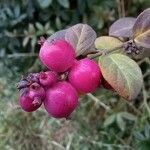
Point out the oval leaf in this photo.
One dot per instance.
(123, 74)
(44, 3)
(107, 42)
(110, 120)
(120, 122)
(141, 29)
(81, 37)
(128, 116)
(59, 35)
(122, 27)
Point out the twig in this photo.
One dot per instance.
(16, 55)
(92, 56)
(97, 100)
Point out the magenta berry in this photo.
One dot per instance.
(31, 98)
(61, 100)
(85, 76)
(48, 78)
(57, 56)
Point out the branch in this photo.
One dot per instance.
(97, 100)
(103, 52)
(16, 55)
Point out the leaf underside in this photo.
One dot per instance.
(122, 27)
(81, 37)
(59, 35)
(141, 29)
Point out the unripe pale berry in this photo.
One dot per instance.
(48, 78)
(61, 100)
(57, 56)
(31, 98)
(85, 76)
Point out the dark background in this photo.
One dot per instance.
(125, 127)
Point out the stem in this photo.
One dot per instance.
(103, 52)
(97, 100)
(21, 55)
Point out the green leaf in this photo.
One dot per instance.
(44, 3)
(39, 26)
(110, 120)
(120, 122)
(107, 42)
(81, 37)
(33, 42)
(123, 74)
(141, 29)
(31, 28)
(25, 41)
(64, 3)
(122, 27)
(128, 116)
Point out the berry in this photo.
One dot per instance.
(31, 98)
(61, 100)
(106, 85)
(57, 55)
(48, 78)
(85, 76)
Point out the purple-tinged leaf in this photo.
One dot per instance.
(122, 27)
(59, 35)
(81, 37)
(141, 29)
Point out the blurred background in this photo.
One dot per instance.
(125, 126)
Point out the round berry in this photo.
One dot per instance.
(61, 100)
(57, 55)
(48, 78)
(31, 98)
(85, 76)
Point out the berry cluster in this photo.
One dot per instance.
(59, 95)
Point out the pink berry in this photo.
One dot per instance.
(31, 98)
(85, 76)
(48, 78)
(61, 100)
(57, 56)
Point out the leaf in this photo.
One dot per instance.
(128, 116)
(122, 27)
(139, 136)
(107, 42)
(141, 29)
(25, 41)
(33, 42)
(39, 26)
(123, 74)
(44, 3)
(64, 3)
(31, 28)
(81, 37)
(120, 122)
(110, 120)
(59, 35)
